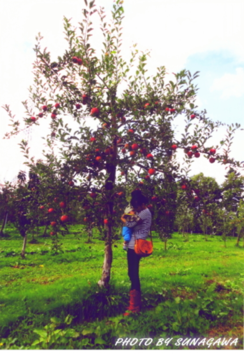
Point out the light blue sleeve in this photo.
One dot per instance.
(126, 233)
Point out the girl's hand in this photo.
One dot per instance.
(123, 219)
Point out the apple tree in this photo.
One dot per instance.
(114, 123)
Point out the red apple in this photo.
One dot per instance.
(41, 207)
(93, 194)
(33, 119)
(77, 106)
(146, 105)
(130, 131)
(147, 177)
(193, 116)
(94, 111)
(98, 158)
(123, 151)
(197, 154)
(53, 134)
(52, 233)
(71, 183)
(127, 146)
(74, 59)
(64, 218)
(97, 150)
(154, 198)
(50, 210)
(44, 108)
(120, 193)
(190, 154)
(53, 223)
(105, 221)
(151, 171)
(194, 147)
(119, 140)
(132, 153)
(184, 187)
(92, 139)
(167, 109)
(172, 110)
(57, 105)
(79, 61)
(143, 151)
(53, 115)
(62, 204)
(174, 147)
(40, 114)
(212, 160)
(105, 125)
(84, 99)
(212, 151)
(149, 156)
(134, 146)
(107, 151)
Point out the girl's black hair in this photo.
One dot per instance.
(138, 198)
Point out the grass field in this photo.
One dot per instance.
(51, 300)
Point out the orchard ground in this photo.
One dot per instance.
(52, 301)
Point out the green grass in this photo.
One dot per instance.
(192, 289)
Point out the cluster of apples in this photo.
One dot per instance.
(44, 109)
(57, 105)
(159, 201)
(194, 151)
(63, 218)
(77, 60)
(99, 154)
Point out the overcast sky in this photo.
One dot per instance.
(197, 35)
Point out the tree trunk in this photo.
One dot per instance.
(5, 218)
(108, 257)
(90, 233)
(239, 237)
(109, 186)
(165, 243)
(24, 245)
(45, 230)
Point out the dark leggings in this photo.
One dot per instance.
(133, 269)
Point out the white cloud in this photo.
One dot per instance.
(230, 84)
(173, 30)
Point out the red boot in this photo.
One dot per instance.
(135, 302)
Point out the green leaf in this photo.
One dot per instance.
(87, 331)
(99, 341)
(55, 320)
(40, 332)
(177, 300)
(36, 342)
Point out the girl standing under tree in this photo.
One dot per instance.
(141, 228)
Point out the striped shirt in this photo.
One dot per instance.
(141, 230)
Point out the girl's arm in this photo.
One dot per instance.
(130, 224)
